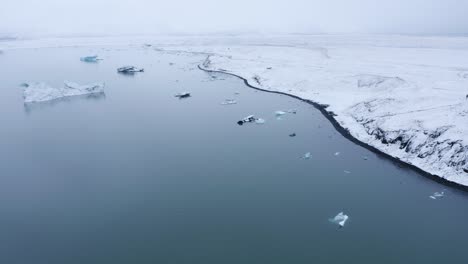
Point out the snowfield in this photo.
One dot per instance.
(405, 96)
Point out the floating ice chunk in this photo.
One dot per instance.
(129, 69)
(279, 113)
(306, 156)
(247, 119)
(94, 58)
(260, 121)
(437, 195)
(40, 92)
(183, 95)
(251, 119)
(337, 153)
(229, 102)
(340, 219)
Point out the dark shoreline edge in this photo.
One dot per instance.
(345, 133)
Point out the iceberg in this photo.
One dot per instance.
(279, 114)
(183, 95)
(94, 58)
(229, 102)
(340, 219)
(437, 195)
(306, 156)
(40, 91)
(129, 69)
(251, 119)
(260, 121)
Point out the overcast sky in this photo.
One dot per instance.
(95, 17)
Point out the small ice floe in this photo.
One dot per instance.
(292, 135)
(183, 95)
(340, 219)
(337, 153)
(229, 102)
(40, 92)
(251, 119)
(129, 69)
(306, 156)
(94, 58)
(279, 114)
(365, 158)
(437, 195)
(260, 121)
(346, 171)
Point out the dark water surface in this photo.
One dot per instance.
(139, 176)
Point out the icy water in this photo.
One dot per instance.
(139, 176)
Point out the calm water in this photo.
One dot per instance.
(139, 176)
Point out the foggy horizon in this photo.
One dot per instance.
(142, 17)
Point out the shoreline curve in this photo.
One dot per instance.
(345, 133)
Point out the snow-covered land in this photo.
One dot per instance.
(40, 92)
(406, 96)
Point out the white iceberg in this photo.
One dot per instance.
(260, 121)
(437, 195)
(229, 102)
(340, 219)
(306, 156)
(40, 91)
(279, 113)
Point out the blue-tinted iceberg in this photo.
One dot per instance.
(94, 58)
(40, 91)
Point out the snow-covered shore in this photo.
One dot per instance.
(405, 96)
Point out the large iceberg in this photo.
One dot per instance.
(40, 91)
